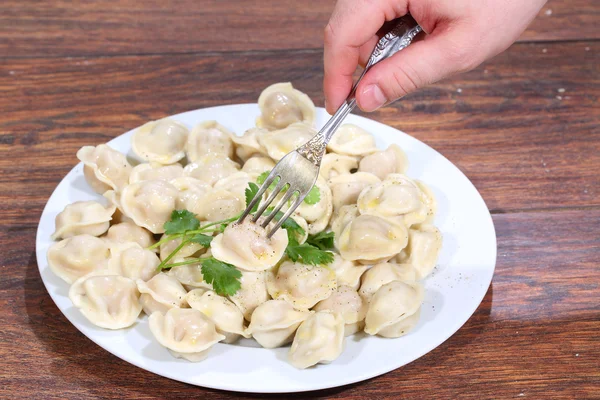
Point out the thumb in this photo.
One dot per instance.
(440, 55)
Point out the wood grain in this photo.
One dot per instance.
(535, 335)
(508, 125)
(84, 28)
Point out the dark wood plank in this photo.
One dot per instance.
(535, 335)
(508, 125)
(60, 28)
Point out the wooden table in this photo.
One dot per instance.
(524, 128)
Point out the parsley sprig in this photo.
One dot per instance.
(224, 277)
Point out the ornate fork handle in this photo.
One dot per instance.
(399, 37)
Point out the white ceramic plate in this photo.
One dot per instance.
(453, 292)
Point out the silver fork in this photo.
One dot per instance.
(299, 169)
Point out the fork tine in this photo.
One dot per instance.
(281, 203)
(270, 199)
(287, 214)
(258, 196)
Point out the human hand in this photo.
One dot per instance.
(461, 34)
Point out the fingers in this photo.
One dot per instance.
(444, 53)
(364, 52)
(353, 24)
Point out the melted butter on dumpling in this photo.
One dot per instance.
(397, 196)
(301, 285)
(274, 322)
(369, 238)
(187, 333)
(161, 141)
(149, 203)
(247, 247)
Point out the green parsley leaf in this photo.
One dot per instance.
(262, 177)
(202, 239)
(180, 222)
(250, 193)
(314, 196)
(322, 240)
(290, 225)
(224, 278)
(308, 254)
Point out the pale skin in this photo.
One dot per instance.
(461, 34)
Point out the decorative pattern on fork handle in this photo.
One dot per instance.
(401, 35)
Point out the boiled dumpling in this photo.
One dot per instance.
(281, 105)
(337, 164)
(114, 199)
(191, 192)
(252, 293)
(209, 137)
(345, 189)
(247, 145)
(391, 308)
(428, 200)
(319, 339)
(187, 333)
(210, 168)
(423, 249)
(217, 205)
(317, 215)
(347, 272)
(279, 143)
(77, 256)
(369, 238)
(384, 273)
(395, 196)
(190, 276)
(149, 203)
(236, 183)
(301, 285)
(104, 168)
(161, 293)
(382, 163)
(155, 171)
(247, 247)
(341, 219)
(107, 301)
(161, 141)
(352, 140)
(83, 217)
(349, 304)
(132, 261)
(125, 232)
(274, 322)
(257, 165)
(227, 318)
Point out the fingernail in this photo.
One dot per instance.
(327, 108)
(372, 98)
